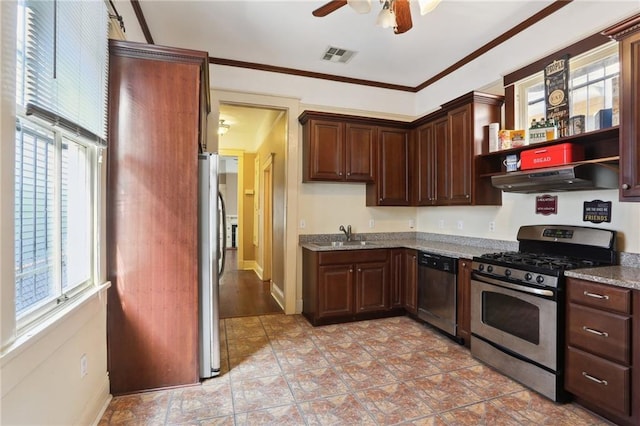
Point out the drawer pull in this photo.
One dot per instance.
(596, 332)
(596, 295)
(595, 379)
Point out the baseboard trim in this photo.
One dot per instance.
(98, 404)
(259, 272)
(249, 265)
(277, 294)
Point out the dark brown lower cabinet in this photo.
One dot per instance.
(410, 281)
(404, 275)
(372, 286)
(397, 276)
(347, 285)
(464, 301)
(603, 351)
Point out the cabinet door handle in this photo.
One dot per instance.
(340, 174)
(596, 332)
(350, 270)
(359, 270)
(625, 186)
(596, 296)
(594, 379)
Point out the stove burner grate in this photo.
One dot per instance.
(537, 260)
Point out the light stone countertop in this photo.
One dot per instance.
(627, 274)
(436, 247)
(620, 276)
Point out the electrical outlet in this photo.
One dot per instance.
(492, 226)
(460, 224)
(412, 223)
(441, 224)
(372, 223)
(84, 365)
(303, 224)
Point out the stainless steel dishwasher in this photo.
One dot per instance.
(437, 285)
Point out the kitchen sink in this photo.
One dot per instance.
(344, 243)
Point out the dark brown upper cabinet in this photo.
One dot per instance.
(430, 184)
(428, 162)
(393, 182)
(336, 149)
(447, 143)
(628, 35)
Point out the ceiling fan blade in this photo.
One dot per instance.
(326, 9)
(403, 16)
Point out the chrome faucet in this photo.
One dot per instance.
(347, 231)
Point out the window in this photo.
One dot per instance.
(60, 130)
(53, 217)
(592, 77)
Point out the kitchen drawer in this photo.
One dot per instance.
(599, 296)
(341, 257)
(602, 333)
(596, 380)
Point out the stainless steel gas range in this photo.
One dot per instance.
(517, 301)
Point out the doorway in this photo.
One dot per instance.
(247, 287)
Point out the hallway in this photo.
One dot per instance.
(242, 293)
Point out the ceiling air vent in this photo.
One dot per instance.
(336, 54)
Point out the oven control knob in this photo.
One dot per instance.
(489, 268)
(528, 276)
(481, 267)
(507, 272)
(539, 279)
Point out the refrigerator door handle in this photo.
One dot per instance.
(223, 220)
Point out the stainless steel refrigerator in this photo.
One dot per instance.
(211, 235)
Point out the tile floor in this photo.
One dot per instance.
(279, 370)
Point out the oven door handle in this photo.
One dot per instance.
(522, 288)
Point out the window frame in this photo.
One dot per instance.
(63, 297)
(510, 79)
(521, 86)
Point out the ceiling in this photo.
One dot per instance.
(248, 126)
(285, 35)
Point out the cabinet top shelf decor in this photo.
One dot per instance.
(598, 143)
(600, 146)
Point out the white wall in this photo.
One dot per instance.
(41, 382)
(325, 206)
(313, 92)
(519, 209)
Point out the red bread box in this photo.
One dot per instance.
(553, 155)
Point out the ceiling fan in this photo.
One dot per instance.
(394, 14)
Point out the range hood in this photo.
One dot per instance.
(572, 177)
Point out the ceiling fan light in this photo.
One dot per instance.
(223, 128)
(360, 6)
(386, 18)
(427, 6)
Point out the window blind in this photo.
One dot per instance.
(66, 63)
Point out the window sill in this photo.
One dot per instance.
(46, 325)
